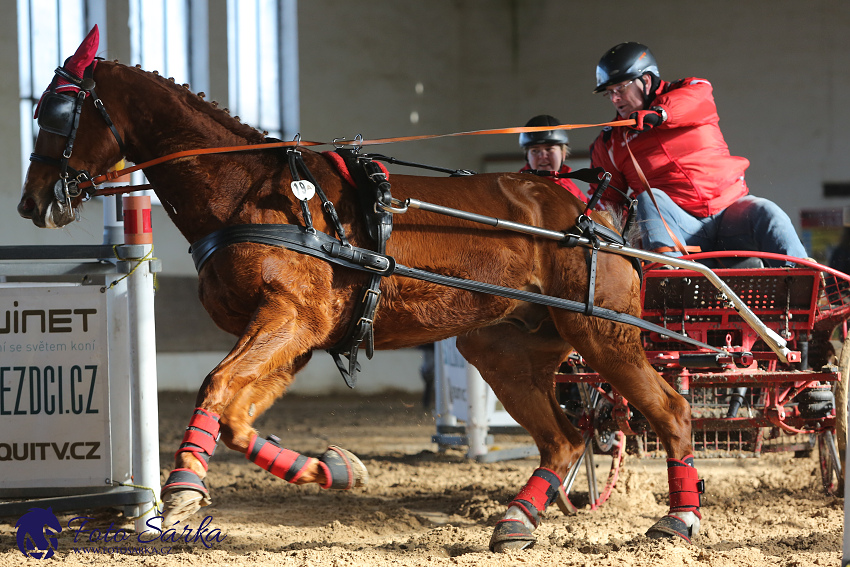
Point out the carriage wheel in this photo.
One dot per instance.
(842, 404)
(601, 448)
(831, 470)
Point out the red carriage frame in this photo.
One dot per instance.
(786, 406)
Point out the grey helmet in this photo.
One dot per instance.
(623, 62)
(527, 139)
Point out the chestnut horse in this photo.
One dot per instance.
(283, 305)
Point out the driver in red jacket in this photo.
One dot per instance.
(677, 145)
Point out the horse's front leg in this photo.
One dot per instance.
(246, 383)
(336, 468)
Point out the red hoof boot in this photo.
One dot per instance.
(343, 469)
(685, 488)
(670, 527)
(510, 534)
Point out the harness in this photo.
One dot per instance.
(374, 190)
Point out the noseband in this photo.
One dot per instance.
(59, 113)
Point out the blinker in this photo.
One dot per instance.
(56, 113)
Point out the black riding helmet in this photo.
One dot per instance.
(527, 139)
(623, 62)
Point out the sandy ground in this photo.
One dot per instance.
(426, 508)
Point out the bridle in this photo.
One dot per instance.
(59, 113)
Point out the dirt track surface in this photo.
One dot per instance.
(425, 508)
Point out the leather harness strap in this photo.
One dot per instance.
(373, 187)
(327, 248)
(690, 249)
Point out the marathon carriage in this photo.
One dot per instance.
(758, 405)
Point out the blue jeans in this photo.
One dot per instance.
(750, 223)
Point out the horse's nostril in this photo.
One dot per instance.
(26, 207)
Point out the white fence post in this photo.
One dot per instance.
(477, 423)
(144, 384)
(138, 248)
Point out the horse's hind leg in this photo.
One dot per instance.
(614, 350)
(242, 387)
(520, 369)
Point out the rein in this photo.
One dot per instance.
(678, 246)
(357, 143)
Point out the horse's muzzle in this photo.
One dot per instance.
(53, 215)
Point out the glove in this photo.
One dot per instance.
(645, 119)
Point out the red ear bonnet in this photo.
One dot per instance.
(78, 62)
(75, 65)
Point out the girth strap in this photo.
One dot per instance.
(372, 187)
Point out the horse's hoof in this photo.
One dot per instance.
(510, 534)
(564, 503)
(670, 527)
(183, 494)
(180, 504)
(346, 470)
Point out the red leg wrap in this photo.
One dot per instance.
(685, 485)
(201, 436)
(540, 491)
(281, 462)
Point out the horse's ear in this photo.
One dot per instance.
(78, 62)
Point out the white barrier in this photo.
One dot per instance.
(78, 407)
(462, 395)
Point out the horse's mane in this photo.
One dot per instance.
(198, 102)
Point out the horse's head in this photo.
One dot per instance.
(75, 136)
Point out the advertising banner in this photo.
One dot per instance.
(54, 386)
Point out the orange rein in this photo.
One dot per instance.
(112, 175)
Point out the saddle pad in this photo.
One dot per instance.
(339, 163)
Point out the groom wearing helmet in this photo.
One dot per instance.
(546, 150)
(676, 144)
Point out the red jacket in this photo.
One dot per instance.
(563, 182)
(685, 156)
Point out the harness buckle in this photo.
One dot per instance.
(375, 292)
